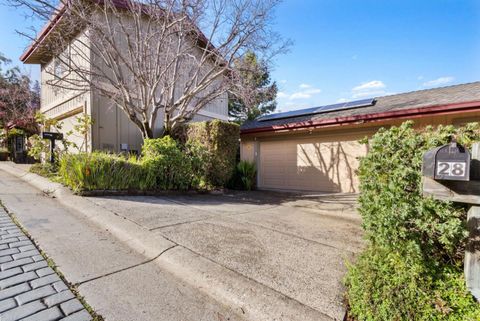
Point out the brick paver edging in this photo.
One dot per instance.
(30, 289)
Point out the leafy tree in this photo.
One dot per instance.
(18, 99)
(254, 94)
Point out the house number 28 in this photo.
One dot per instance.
(451, 168)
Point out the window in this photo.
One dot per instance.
(58, 68)
(61, 64)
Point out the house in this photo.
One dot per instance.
(317, 149)
(111, 129)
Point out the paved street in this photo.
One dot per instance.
(29, 288)
(242, 256)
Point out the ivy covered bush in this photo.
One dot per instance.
(167, 166)
(221, 142)
(412, 268)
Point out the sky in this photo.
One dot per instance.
(347, 50)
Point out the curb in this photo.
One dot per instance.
(248, 298)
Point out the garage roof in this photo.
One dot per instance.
(416, 102)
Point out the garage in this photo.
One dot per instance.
(317, 149)
(325, 164)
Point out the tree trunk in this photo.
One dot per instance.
(147, 132)
(167, 130)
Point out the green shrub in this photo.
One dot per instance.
(221, 140)
(413, 240)
(166, 165)
(200, 159)
(47, 169)
(246, 172)
(388, 285)
(100, 171)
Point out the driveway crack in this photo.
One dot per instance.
(117, 214)
(126, 268)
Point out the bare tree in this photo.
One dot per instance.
(156, 59)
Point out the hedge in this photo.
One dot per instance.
(166, 166)
(412, 267)
(221, 140)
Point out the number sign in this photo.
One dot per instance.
(451, 168)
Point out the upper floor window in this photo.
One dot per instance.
(58, 69)
(61, 64)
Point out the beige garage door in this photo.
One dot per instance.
(313, 164)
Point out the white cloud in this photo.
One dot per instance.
(369, 89)
(312, 91)
(372, 88)
(420, 77)
(439, 81)
(299, 95)
(306, 91)
(370, 93)
(283, 81)
(374, 84)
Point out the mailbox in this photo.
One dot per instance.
(447, 162)
(52, 136)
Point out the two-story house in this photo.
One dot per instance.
(111, 129)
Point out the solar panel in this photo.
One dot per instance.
(318, 110)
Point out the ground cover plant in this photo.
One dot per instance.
(412, 268)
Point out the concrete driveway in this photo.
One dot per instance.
(296, 245)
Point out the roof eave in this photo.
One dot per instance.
(29, 57)
(399, 114)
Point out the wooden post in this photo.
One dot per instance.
(472, 251)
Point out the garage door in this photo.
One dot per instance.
(313, 164)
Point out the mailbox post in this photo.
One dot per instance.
(450, 174)
(52, 137)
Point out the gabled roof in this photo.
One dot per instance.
(411, 103)
(33, 54)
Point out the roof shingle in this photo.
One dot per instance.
(469, 92)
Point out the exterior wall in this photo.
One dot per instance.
(112, 128)
(324, 159)
(66, 105)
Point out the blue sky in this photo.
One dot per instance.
(352, 49)
(358, 49)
